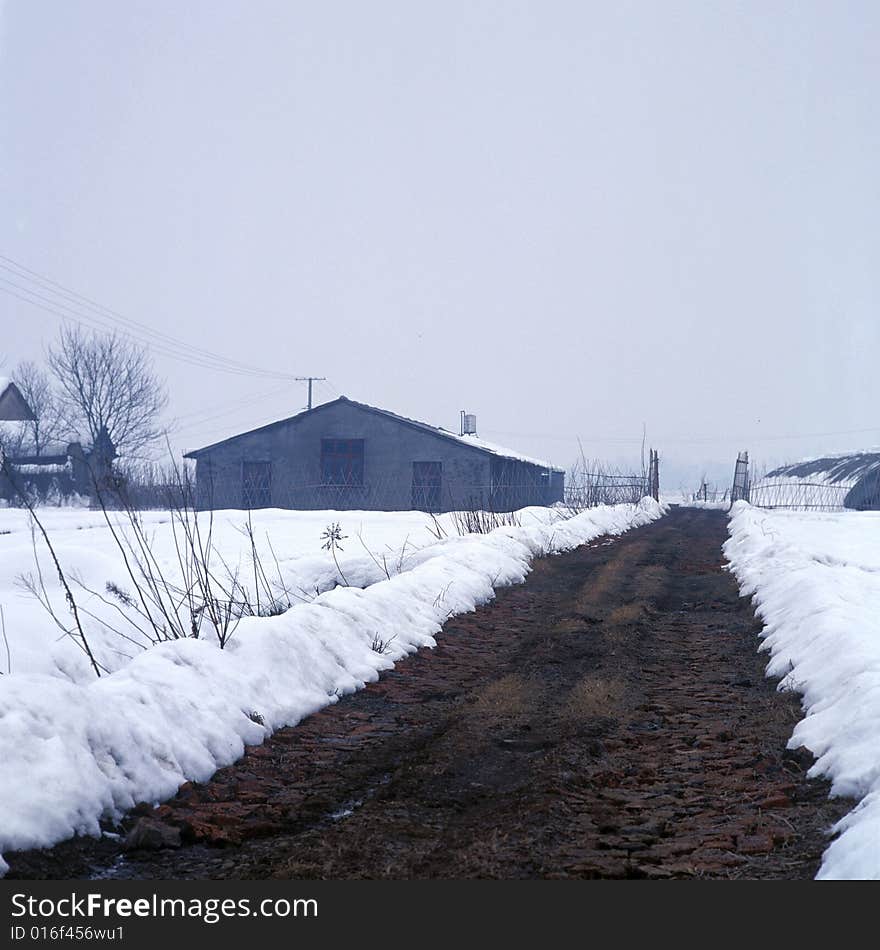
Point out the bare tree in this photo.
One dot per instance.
(107, 383)
(46, 426)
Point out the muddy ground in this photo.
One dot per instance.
(608, 718)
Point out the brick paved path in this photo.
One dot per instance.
(608, 718)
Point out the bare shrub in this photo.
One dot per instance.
(5, 640)
(481, 521)
(207, 594)
(148, 485)
(435, 528)
(211, 592)
(381, 646)
(35, 584)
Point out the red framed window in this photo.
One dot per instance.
(342, 461)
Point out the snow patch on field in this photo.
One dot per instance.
(815, 582)
(76, 749)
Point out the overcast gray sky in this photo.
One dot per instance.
(567, 217)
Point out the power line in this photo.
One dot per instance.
(54, 298)
(328, 390)
(106, 313)
(332, 388)
(81, 319)
(199, 417)
(702, 440)
(71, 305)
(248, 428)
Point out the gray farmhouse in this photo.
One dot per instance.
(346, 455)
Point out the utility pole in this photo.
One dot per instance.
(310, 380)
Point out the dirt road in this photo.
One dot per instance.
(608, 718)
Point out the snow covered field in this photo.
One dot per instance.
(91, 558)
(815, 581)
(76, 747)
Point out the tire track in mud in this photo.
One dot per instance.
(608, 718)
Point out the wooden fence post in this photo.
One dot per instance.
(741, 489)
(654, 475)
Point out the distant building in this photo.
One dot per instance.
(831, 483)
(59, 470)
(347, 455)
(13, 406)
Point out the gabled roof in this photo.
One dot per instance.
(13, 406)
(469, 440)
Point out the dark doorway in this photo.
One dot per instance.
(426, 484)
(256, 484)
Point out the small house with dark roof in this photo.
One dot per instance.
(347, 455)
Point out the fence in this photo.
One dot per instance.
(781, 490)
(589, 484)
(586, 486)
(705, 493)
(297, 490)
(597, 488)
(800, 495)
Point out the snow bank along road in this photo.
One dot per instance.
(608, 718)
(815, 580)
(77, 749)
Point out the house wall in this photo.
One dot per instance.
(293, 451)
